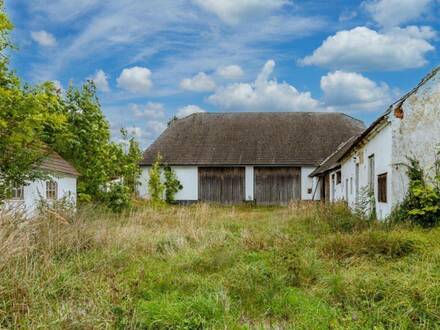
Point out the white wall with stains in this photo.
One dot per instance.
(417, 134)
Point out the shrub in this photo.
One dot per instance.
(172, 184)
(118, 197)
(421, 205)
(155, 186)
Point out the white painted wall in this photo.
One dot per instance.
(188, 177)
(417, 135)
(307, 183)
(36, 191)
(249, 183)
(380, 145)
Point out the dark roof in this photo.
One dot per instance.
(332, 161)
(253, 138)
(395, 105)
(55, 163)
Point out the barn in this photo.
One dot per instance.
(264, 157)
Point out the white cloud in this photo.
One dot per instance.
(230, 72)
(234, 11)
(135, 80)
(150, 110)
(155, 127)
(263, 95)
(44, 38)
(199, 83)
(100, 79)
(135, 131)
(58, 85)
(188, 110)
(389, 13)
(363, 49)
(352, 92)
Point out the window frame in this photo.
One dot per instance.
(15, 196)
(382, 188)
(338, 177)
(51, 191)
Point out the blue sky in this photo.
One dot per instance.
(153, 59)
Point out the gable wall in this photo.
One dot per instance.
(417, 135)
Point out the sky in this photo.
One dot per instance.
(152, 60)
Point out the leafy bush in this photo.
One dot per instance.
(172, 184)
(158, 187)
(118, 197)
(421, 205)
(155, 186)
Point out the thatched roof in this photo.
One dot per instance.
(259, 138)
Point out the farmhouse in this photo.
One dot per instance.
(60, 184)
(235, 157)
(373, 163)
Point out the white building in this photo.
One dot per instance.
(60, 185)
(374, 161)
(236, 157)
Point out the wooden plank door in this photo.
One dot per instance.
(277, 185)
(223, 185)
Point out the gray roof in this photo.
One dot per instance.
(253, 138)
(332, 161)
(56, 164)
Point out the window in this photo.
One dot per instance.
(338, 177)
(382, 188)
(51, 190)
(371, 173)
(17, 192)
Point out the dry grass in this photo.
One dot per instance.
(303, 266)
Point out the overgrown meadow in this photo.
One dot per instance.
(306, 266)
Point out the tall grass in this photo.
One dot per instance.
(305, 266)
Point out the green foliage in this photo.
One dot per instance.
(155, 186)
(421, 205)
(366, 204)
(27, 114)
(172, 184)
(205, 267)
(118, 197)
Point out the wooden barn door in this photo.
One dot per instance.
(221, 185)
(277, 185)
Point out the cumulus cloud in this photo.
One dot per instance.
(199, 83)
(230, 72)
(150, 110)
(389, 13)
(362, 49)
(44, 38)
(234, 11)
(135, 132)
(352, 92)
(156, 127)
(263, 95)
(100, 79)
(135, 80)
(188, 110)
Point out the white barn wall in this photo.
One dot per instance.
(380, 145)
(417, 135)
(307, 183)
(249, 183)
(188, 177)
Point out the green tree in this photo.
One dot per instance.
(172, 184)
(155, 186)
(27, 114)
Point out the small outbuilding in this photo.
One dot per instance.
(60, 184)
